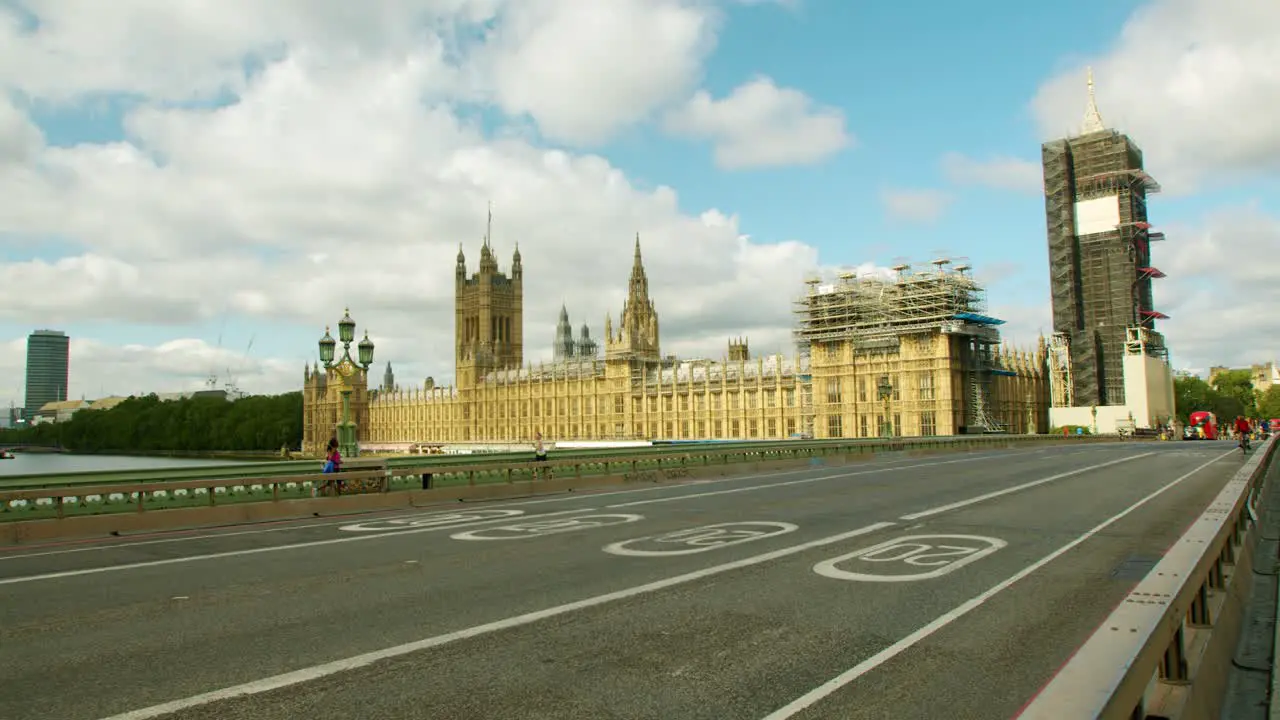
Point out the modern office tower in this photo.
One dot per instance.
(48, 368)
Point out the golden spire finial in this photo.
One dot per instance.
(1092, 118)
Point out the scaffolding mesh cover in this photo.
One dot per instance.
(874, 311)
(1099, 257)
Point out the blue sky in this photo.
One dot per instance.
(912, 83)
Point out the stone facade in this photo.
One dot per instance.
(636, 393)
(930, 392)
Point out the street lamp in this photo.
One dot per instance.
(344, 369)
(884, 389)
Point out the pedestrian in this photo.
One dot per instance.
(333, 462)
(539, 451)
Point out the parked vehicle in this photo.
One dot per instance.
(1202, 425)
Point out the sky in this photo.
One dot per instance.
(194, 189)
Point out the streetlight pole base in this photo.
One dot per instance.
(347, 444)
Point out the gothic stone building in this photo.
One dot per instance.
(634, 392)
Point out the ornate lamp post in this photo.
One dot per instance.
(884, 389)
(344, 369)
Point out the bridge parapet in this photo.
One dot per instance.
(454, 477)
(1165, 651)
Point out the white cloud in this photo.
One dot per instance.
(334, 177)
(1001, 172)
(183, 51)
(102, 369)
(1194, 82)
(1221, 291)
(924, 206)
(20, 139)
(580, 70)
(760, 124)
(1024, 323)
(584, 69)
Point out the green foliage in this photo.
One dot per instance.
(1231, 394)
(257, 422)
(1269, 403)
(1238, 385)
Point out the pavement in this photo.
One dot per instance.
(946, 586)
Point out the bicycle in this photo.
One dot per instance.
(1243, 444)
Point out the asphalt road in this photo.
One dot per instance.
(949, 586)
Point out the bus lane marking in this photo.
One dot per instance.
(938, 555)
(539, 528)
(431, 520)
(699, 539)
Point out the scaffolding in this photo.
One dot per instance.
(1060, 387)
(1100, 278)
(874, 312)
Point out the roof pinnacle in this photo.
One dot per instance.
(1092, 118)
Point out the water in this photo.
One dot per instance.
(58, 464)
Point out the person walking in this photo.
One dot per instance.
(333, 463)
(539, 453)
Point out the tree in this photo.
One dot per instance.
(1191, 393)
(1231, 394)
(1269, 403)
(1237, 385)
(257, 422)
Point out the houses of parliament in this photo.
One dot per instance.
(876, 356)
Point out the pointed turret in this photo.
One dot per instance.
(563, 347)
(639, 284)
(637, 337)
(1092, 118)
(586, 348)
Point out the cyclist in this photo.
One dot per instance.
(1243, 429)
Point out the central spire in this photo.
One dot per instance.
(639, 281)
(637, 335)
(1092, 118)
(488, 227)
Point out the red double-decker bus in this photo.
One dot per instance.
(1203, 425)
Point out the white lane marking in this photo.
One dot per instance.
(922, 551)
(564, 498)
(318, 671)
(1018, 488)
(586, 496)
(831, 686)
(801, 481)
(538, 528)
(431, 520)
(701, 539)
(259, 550)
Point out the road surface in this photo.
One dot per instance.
(943, 586)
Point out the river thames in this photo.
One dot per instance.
(58, 464)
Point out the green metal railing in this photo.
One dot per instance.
(40, 496)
